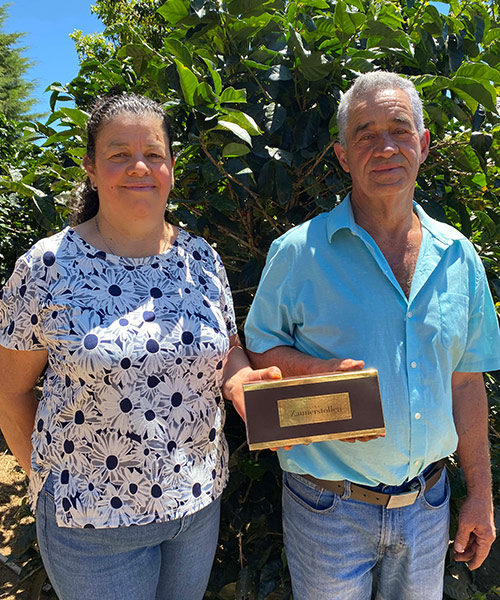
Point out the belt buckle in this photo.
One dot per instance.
(400, 500)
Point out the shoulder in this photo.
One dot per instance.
(444, 231)
(301, 237)
(439, 229)
(197, 248)
(449, 236)
(46, 249)
(44, 252)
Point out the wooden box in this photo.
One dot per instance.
(299, 410)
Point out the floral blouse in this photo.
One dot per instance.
(131, 417)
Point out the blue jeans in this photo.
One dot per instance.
(158, 561)
(342, 549)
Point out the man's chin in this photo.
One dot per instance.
(390, 177)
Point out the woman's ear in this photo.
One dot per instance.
(88, 165)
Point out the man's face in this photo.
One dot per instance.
(383, 150)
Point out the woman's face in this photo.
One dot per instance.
(133, 168)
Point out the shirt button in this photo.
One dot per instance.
(413, 364)
(417, 416)
(409, 314)
(416, 463)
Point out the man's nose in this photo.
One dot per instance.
(386, 145)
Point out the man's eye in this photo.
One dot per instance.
(155, 155)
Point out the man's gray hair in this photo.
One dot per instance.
(377, 81)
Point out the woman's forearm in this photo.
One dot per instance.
(19, 371)
(17, 417)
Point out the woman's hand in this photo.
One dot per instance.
(238, 371)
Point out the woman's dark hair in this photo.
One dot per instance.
(86, 200)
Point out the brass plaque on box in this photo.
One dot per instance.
(299, 410)
(314, 409)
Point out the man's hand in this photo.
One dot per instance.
(364, 438)
(333, 365)
(476, 531)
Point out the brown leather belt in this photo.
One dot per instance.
(363, 494)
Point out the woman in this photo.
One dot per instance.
(127, 458)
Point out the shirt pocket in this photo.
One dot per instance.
(454, 316)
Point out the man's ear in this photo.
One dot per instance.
(425, 142)
(88, 165)
(341, 153)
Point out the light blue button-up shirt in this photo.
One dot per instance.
(328, 291)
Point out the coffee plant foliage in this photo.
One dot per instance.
(252, 87)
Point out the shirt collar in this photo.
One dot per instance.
(342, 217)
(431, 225)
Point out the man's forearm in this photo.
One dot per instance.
(476, 529)
(292, 362)
(470, 412)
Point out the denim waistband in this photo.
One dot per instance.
(403, 487)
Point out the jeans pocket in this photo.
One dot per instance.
(438, 495)
(309, 495)
(48, 488)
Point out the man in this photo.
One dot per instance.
(377, 282)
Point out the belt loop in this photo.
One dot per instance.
(421, 481)
(347, 490)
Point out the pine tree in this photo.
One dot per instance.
(15, 90)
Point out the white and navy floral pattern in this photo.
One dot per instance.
(130, 422)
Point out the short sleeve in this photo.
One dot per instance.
(226, 298)
(20, 310)
(482, 351)
(270, 322)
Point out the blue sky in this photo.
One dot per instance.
(47, 24)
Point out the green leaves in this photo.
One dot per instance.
(215, 75)
(234, 149)
(479, 71)
(189, 82)
(236, 129)
(347, 23)
(475, 92)
(275, 115)
(279, 73)
(316, 66)
(174, 11)
(233, 96)
(74, 116)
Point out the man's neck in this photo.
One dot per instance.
(385, 218)
(397, 232)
